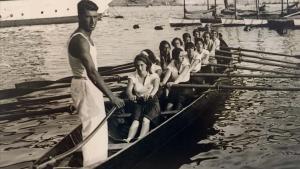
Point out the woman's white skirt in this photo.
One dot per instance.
(89, 104)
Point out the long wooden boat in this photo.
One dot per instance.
(127, 155)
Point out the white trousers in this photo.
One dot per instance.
(89, 104)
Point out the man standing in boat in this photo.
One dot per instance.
(87, 84)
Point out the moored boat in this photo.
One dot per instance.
(39, 12)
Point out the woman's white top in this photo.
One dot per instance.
(146, 87)
(176, 72)
(196, 56)
(204, 57)
(155, 67)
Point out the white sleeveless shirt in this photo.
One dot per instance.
(77, 67)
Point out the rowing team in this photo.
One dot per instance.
(174, 67)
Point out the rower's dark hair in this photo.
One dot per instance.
(196, 30)
(198, 40)
(189, 45)
(176, 53)
(151, 56)
(145, 59)
(162, 44)
(185, 35)
(175, 39)
(85, 5)
(206, 33)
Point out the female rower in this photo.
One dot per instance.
(186, 37)
(193, 57)
(196, 34)
(155, 68)
(177, 43)
(205, 68)
(215, 39)
(208, 44)
(165, 56)
(177, 72)
(141, 90)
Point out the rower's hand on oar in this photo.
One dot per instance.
(147, 96)
(119, 103)
(132, 98)
(169, 84)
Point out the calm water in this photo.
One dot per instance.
(251, 130)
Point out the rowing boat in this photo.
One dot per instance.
(127, 155)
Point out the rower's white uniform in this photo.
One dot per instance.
(89, 104)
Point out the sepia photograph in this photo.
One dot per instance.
(150, 84)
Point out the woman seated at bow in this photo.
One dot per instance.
(177, 72)
(141, 90)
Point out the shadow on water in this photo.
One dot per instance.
(183, 147)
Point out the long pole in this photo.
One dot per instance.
(242, 75)
(78, 146)
(251, 69)
(257, 51)
(257, 8)
(184, 10)
(258, 62)
(215, 8)
(282, 7)
(259, 57)
(236, 87)
(287, 6)
(207, 4)
(235, 10)
(226, 4)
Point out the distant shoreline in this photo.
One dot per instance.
(125, 3)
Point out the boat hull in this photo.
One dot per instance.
(158, 137)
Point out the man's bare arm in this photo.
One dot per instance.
(79, 48)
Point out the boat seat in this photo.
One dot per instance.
(124, 115)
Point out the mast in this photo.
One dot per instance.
(184, 10)
(257, 8)
(282, 7)
(207, 4)
(215, 8)
(287, 6)
(226, 4)
(235, 10)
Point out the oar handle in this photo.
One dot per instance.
(78, 146)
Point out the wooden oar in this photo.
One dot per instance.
(111, 72)
(258, 57)
(40, 84)
(106, 71)
(53, 160)
(236, 87)
(119, 67)
(106, 68)
(258, 51)
(252, 69)
(242, 75)
(240, 59)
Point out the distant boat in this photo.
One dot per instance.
(39, 12)
(231, 16)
